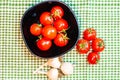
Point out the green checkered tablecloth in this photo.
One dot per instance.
(17, 63)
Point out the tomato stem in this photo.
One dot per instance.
(65, 37)
(90, 30)
(40, 37)
(57, 13)
(40, 25)
(36, 40)
(63, 31)
(101, 44)
(51, 16)
(82, 45)
(98, 60)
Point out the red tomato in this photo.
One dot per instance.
(61, 24)
(93, 58)
(49, 32)
(89, 34)
(83, 46)
(98, 45)
(61, 40)
(57, 12)
(46, 18)
(44, 44)
(36, 29)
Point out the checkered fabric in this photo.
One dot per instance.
(17, 62)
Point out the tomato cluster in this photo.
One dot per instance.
(90, 41)
(52, 27)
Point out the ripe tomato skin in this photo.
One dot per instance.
(61, 24)
(61, 40)
(57, 12)
(46, 18)
(83, 46)
(98, 45)
(44, 44)
(89, 34)
(35, 29)
(49, 32)
(93, 57)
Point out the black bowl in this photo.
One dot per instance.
(32, 16)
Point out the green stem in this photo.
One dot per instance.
(40, 37)
(90, 30)
(40, 25)
(101, 44)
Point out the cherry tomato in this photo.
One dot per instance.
(61, 40)
(46, 18)
(61, 24)
(36, 29)
(49, 32)
(44, 44)
(89, 34)
(98, 45)
(93, 58)
(83, 46)
(57, 12)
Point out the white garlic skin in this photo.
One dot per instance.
(52, 74)
(55, 63)
(67, 68)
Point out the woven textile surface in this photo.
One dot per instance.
(17, 62)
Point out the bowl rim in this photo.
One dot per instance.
(21, 30)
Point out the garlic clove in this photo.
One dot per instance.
(52, 74)
(67, 68)
(55, 63)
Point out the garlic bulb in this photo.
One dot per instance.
(55, 62)
(67, 68)
(52, 74)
